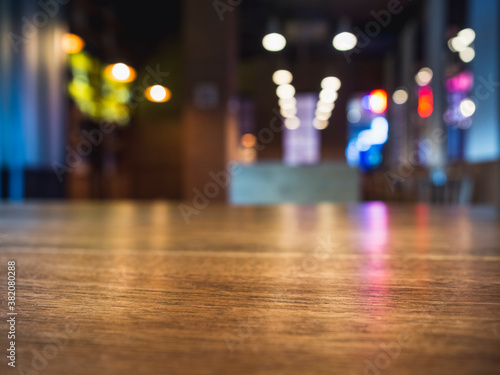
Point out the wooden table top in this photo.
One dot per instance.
(131, 288)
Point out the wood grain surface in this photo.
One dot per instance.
(131, 288)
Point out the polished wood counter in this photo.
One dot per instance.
(131, 288)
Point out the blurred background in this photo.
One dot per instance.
(250, 101)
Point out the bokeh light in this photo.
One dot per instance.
(72, 43)
(353, 116)
(378, 101)
(158, 94)
(286, 91)
(467, 55)
(328, 95)
(344, 41)
(288, 112)
(282, 77)
(292, 123)
(467, 36)
(320, 124)
(323, 115)
(120, 72)
(400, 96)
(274, 42)
(248, 140)
(424, 77)
(287, 103)
(425, 102)
(325, 107)
(467, 107)
(331, 83)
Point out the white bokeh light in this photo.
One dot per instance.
(158, 93)
(282, 77)
(457, 44)
(354, 116)
(467, 107)
(286, 91)
(325, 107)
(323, 115)
(320, 124)
(400, 96)
(467, 55)
(424, 77)
(331, 83)
(328, 95)
(292, 123)
(344, 41)
(287, 103)
(120, 71)
(467, 36)
(274, 42)
(288, 112)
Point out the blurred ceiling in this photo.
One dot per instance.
(129, 31)
(306, 15)
(134, 31)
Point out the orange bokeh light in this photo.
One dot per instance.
(158, 94)
(125, 74)
(72, 43)
(425, 102)
(248, 140)
(378, 101)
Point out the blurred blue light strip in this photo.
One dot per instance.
(483, 138)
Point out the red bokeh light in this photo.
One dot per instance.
(378, 101)
(425, 102)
